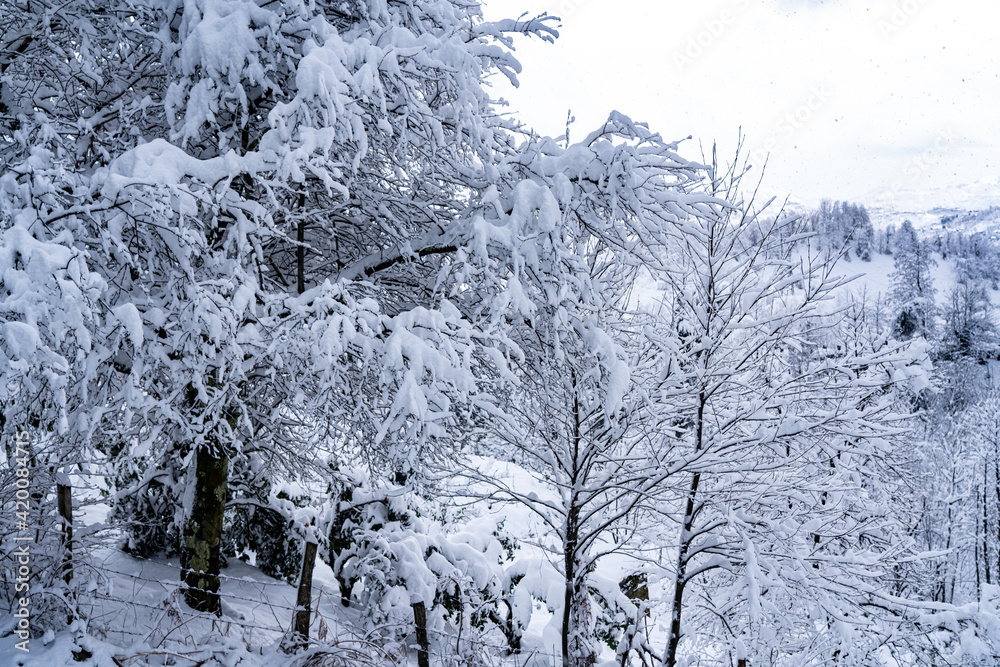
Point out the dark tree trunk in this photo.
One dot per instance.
(200, 554)
(986, 523)
(576, 651)
(684, 546)
(303, 603)
(680, 581)
(300, 256)
(996, 486)
(977, 556)
(569, 564)
(64, 494)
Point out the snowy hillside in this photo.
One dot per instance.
(873, 278)
(136, 612)
(970, 208)
(981, 194)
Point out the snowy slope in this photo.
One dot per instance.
(973, 207)
(978, 195)
(872, 279)
(137, 616)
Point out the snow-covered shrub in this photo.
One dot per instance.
(35, 534)
(34, 562)
(267, 519)
(388, 556)
(377, 552)
(618, 613)
(148, 505)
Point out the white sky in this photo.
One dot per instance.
(852, 99)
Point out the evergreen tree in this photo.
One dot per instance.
(841, 227)
(912, 291)
(969, 328)
(861, 231)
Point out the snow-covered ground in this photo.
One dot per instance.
(137, 616)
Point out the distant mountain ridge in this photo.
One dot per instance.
(969, 208)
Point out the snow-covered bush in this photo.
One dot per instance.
(32, 557)
(269, 520)
(388, 555)
(147, 505)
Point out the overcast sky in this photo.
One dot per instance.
(851, 99)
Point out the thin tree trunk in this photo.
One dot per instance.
(979, 545)
(684, 547)
(567, 608)
(952, 568)
(680, 580)
(300, 257)
(569, 593)
(303, 603)
(576, 649)
(986, 523)
(570, 538)
(64, 494)
(996, 476)
(200, 555)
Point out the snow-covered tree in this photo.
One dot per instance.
(862, 232)
(781, 437)
(984, 427)
(842, 227)
(912, 290)
(244, 244)
(969, 328)
(573, 417)
(216, 130)
(571, 421)
(56, 330)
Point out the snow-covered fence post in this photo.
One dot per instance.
(423, 646)
(64, 496)
(304, 601)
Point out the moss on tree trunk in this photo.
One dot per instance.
(200, 554)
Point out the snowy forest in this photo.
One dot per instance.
(313, 355)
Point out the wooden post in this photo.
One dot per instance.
(303, 603)
(64, 498)
(742, 662)
(420, 620)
